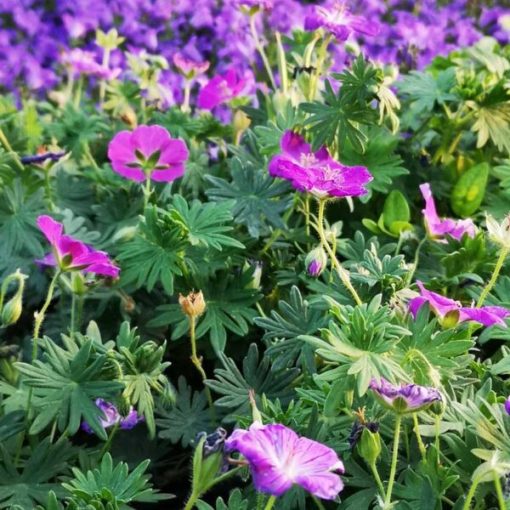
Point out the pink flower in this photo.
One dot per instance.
(486, 315)
(221, 89)
(148, 152)
(72, 255)
(441, 306)
(317, 172)
(189, 68)
(406, 398)
(84, 62)
(438, 227)
(279, 458)
(339, 21)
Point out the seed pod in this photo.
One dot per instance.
(192, 305)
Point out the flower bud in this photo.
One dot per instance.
(369, 446)
(11, 311)
(316, 262)
(128, 116)
(257, 273)
(78, 283)
(499, 232)
(192, 305)
(241, 123)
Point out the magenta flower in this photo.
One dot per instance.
(221, 89)
(317, 172)
(440, 305)
(486, 315)
(279, 458)
(84, 62)
(438, 227)
(111, 416)
(148, 152)
(406, 398)
(189, 68)
(72, 255)
(507, 405)
(339, 21)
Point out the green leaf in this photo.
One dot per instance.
(189, 416)
(396, 211)
(204, 224)
(154, 255)
(259, 199)
(113, 484)
(493, 123)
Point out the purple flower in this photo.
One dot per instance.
(406, 398)
(440, 305)
(189, 68)
(255, 4)
(438, 227)
(221, 89)
(316, 261)
(72, 255)
(84, 62)
(279, 458)
(317, 172)
(148, 152)
(507, 405)
(111, 416)
(339, 21)
(486, 315)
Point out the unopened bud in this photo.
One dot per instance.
(241, 123)
(128, 116)
(192, 305)
(257, 274)
(316, 262)
(369, 446)
(11, 311)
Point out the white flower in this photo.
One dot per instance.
(499, 232)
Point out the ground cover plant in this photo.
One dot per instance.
(254, 255)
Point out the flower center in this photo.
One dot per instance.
(307, 160)
(331, 174)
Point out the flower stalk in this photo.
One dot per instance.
(495, 274)
(394, 460)
(261, 50)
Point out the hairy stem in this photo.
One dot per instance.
(497, 269)
(421, 446)
(261, 51)
(394, 460)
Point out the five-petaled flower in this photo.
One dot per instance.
(279, 458)
(317, 172)
(339, 21)
(111, 416)
(406, 398)
(148, 152)
(440, 227)
(69, 254)
(221, 89)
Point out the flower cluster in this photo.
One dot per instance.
(317, 172)
(69, 254)
(443, 306)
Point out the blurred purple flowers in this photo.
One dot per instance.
(406, 398)
(439, 228)
(189, 68)
(507, 405)
(148, 152)
(72, 255)
(339, 21)
(317, 172)
(111, 416)
(221, 89)
(279, 458)
(442, 306)
(84, 62)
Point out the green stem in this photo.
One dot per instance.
(197, 361)
(416, 260)
(499, 264)
(321, 57)
(344, 275)
(270, 503)
(377, 479)
(318, 503)
(79, 90)
(261, 51)
(8, 148)
(90, 157)
(470, 495)
(109, 441)
(73, 313)
(499, 492)
(394, 460)
(421, 446)
(147, 192)
(282, 64)
(39, 316)
(102, 85)
(187, 94)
